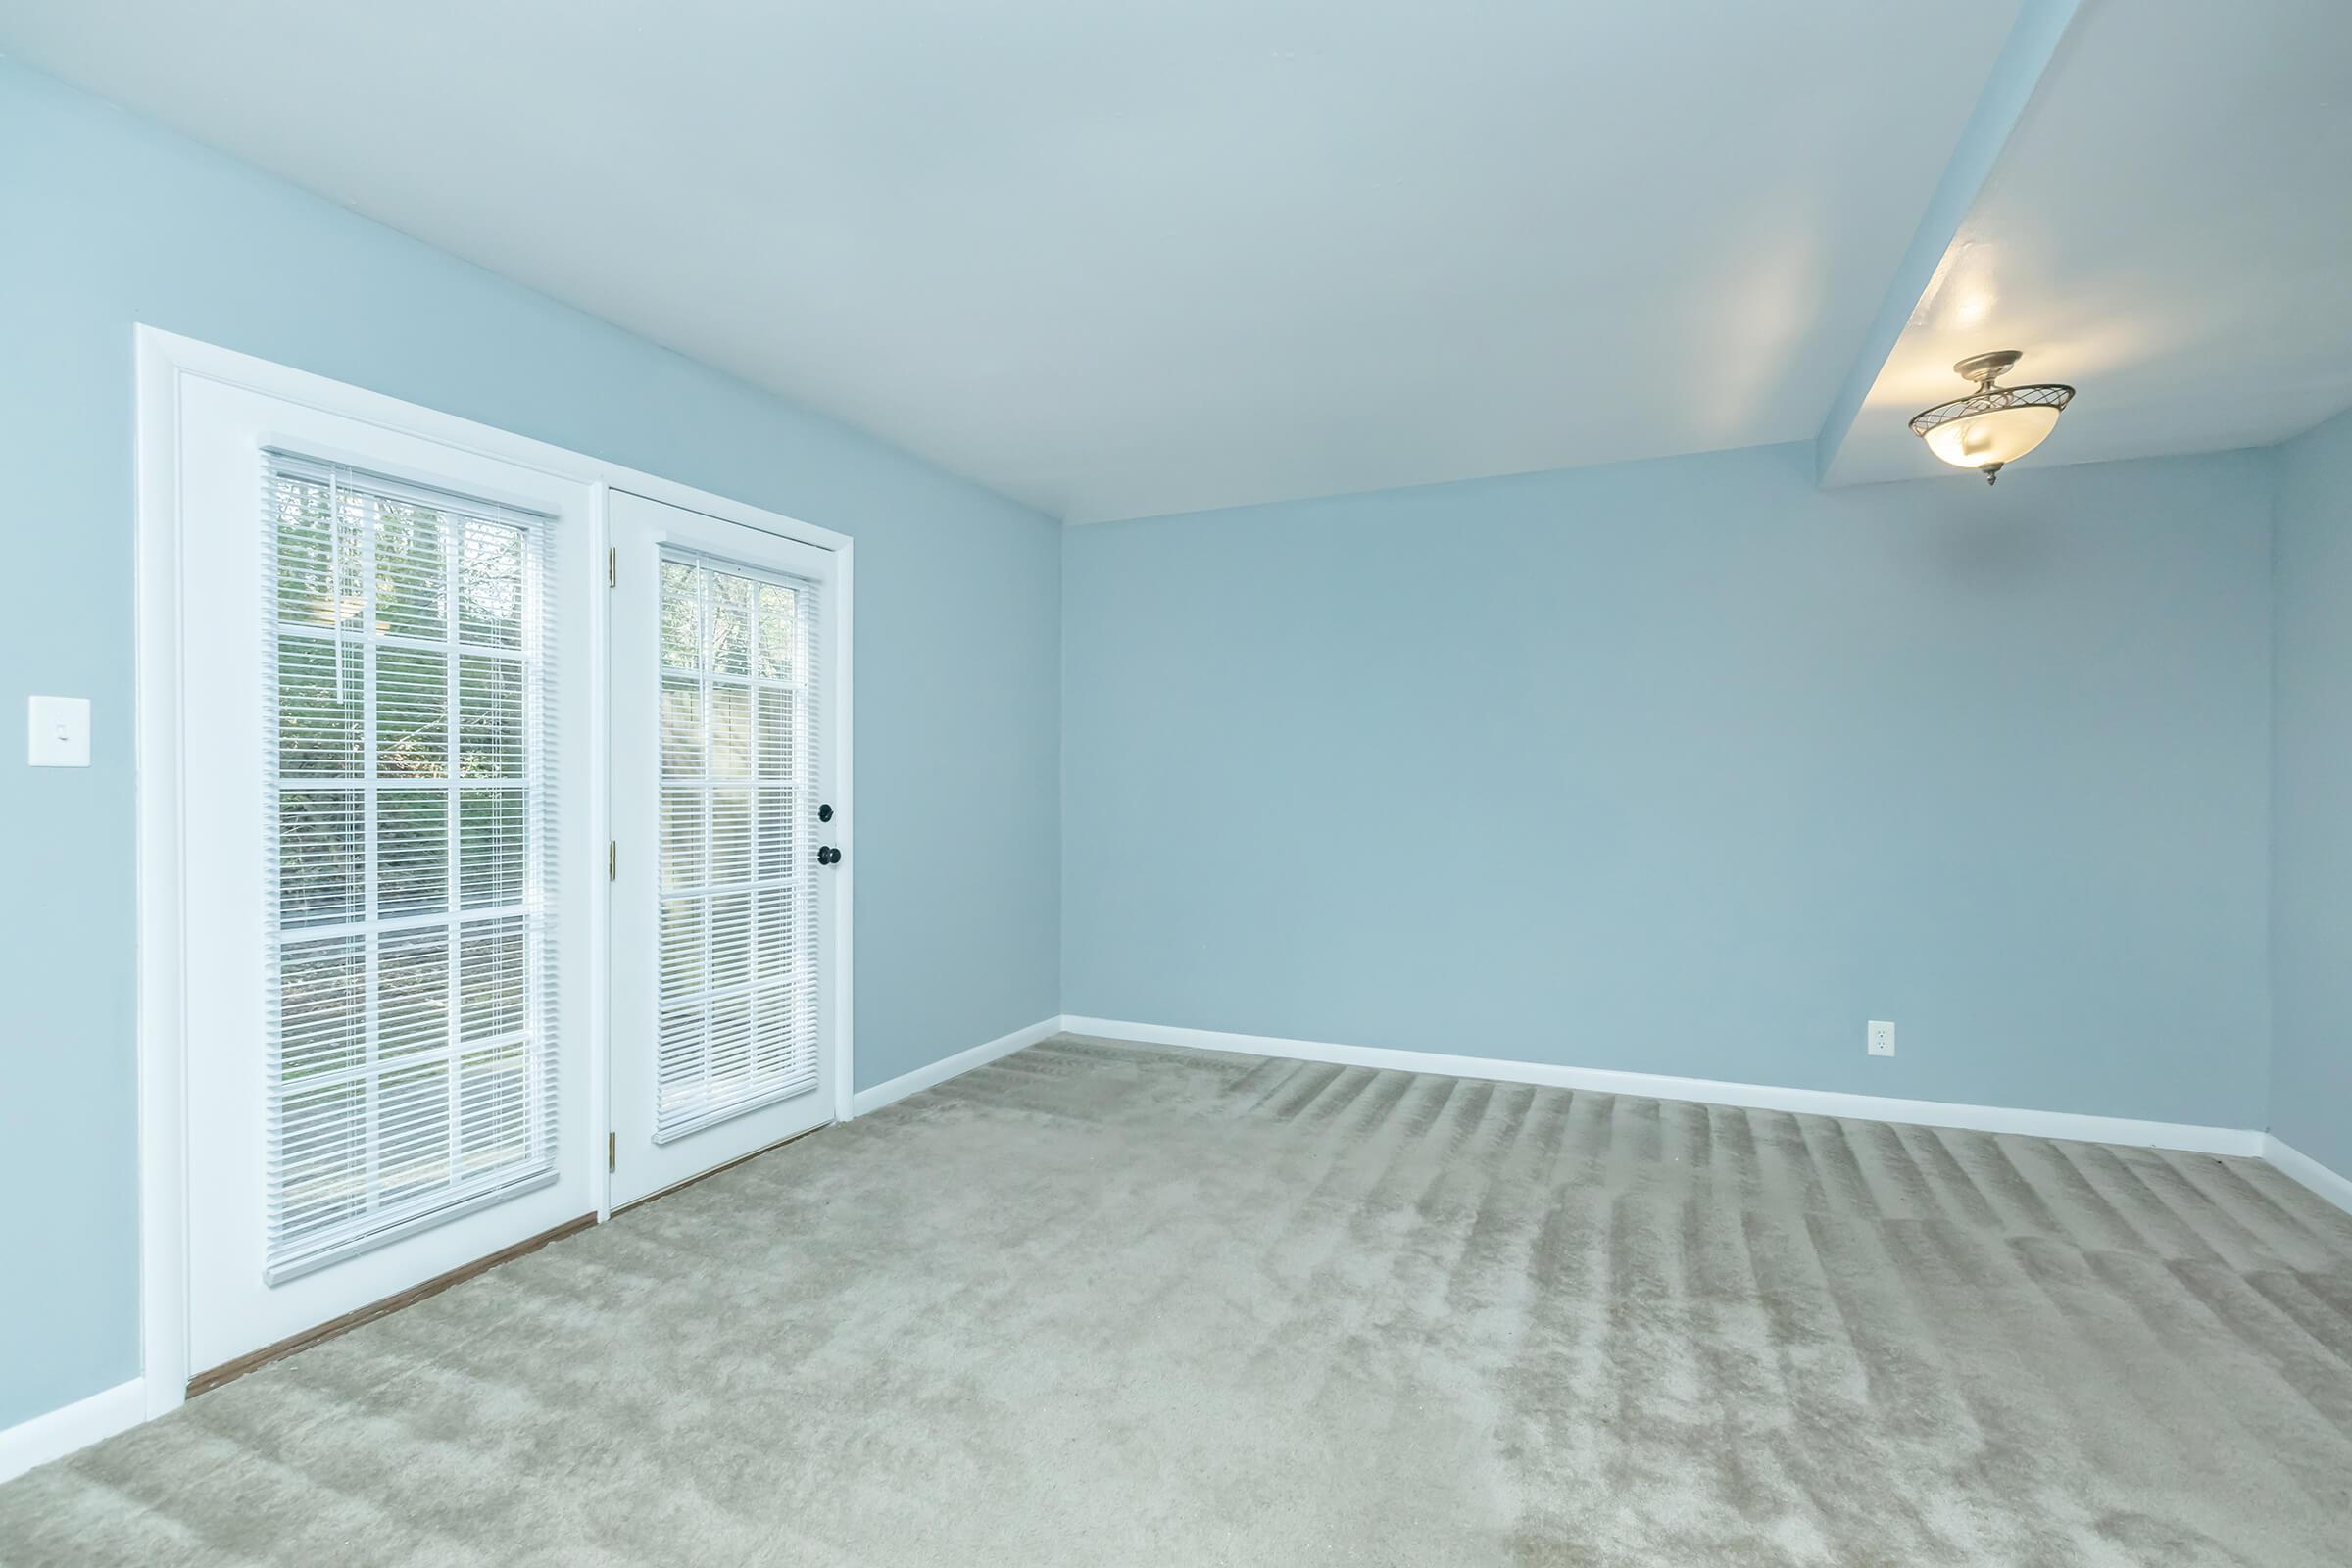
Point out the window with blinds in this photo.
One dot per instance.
(737, 989)
(410, 1052)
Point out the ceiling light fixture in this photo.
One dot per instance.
(1994, 425)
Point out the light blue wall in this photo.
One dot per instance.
(1690, 767)
(109, 222)
(2311, 909)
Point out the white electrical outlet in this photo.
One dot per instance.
(57, 731)
(1882, 1038)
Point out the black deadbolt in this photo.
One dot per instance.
(824, 814)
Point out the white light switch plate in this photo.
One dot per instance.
(57, 731)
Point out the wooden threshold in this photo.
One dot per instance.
(230, 1371)
(679, 1187)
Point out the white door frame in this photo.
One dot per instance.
(164, 361)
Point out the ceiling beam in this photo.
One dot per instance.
(2017, 70)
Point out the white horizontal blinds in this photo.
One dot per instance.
(411, 1062)
(737, 994)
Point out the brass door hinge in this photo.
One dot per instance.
(613, 568)
(611, 1152)
(613, 861)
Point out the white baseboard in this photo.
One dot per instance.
(2329, 1184)
(2240, 1141)
(76, 1426)
(939, 1072)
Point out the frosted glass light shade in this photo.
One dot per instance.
(1995, 425)
(1999, 435)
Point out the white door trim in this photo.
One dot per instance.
(163, 360)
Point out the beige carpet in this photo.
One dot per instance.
(1100, 1304)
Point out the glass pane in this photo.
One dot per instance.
(320, 874)
(681, 727)
(411, 574)
(493, 847)
(374, 1105)
(775, 834)
(681, 612)
(494, 1121)
(323, 1006)
(411, 713)
(322, 1133)
(318, 565)
(731, 836)
(730, 650)
(775, 733)
(412, 852)
(682, 931)
(732, 1031)
(411, 991)
(490, 584)
(682, 827)
(777, 630)
(492, 983)
(730, 731)
(772, 1024)
(772, 920)
(730, 940)
(412, 1130)
(731, 1047)
(490, 741)
(678, 1085)
(319, 697)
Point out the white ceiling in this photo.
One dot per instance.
(1121, 260)
(2169, 228)
(1117, 260)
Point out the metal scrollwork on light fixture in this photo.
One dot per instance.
(1994, 425)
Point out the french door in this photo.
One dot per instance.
(384, 721)
(725, 833)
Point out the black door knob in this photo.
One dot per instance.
(827, 855)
